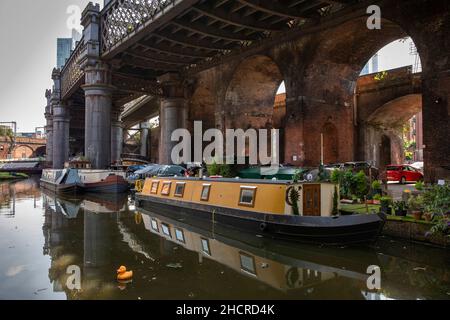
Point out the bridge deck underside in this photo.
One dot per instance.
(209, 29)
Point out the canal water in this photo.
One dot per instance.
(44, 239)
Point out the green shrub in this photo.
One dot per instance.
(437, 199)
(224, 170)
(336, 176)
(416, 203)
(361, 185)
(377, 197)
(213, 169)
(335, 201)
(385, 201)
(400, 205)
(299, 175)
(376, 185)
(350, 183)
(419, 186)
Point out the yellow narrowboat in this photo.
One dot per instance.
(280, 209)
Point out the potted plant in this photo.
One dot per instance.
(376, 199)
(415, 205)
(428, 215)
(400, 208)
(376, 187)
(386, 205)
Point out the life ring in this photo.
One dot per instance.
(292, 277)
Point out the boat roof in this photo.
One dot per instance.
(235, 180)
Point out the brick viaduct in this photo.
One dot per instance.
(222, 61)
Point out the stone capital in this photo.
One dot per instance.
(172, 85)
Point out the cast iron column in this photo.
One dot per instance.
(98, 93)
(61, 123)
(173, 114)
(49, 128)
(116, 137)
(145, 129)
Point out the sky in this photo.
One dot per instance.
(28, 33)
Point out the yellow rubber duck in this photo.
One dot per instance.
(123, 274)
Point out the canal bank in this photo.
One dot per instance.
(43, 234)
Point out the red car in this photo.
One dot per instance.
(403, 174)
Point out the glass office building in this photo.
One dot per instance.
(64, 47)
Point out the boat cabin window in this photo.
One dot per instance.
(247, 196)
(179, 189)
(166, 188)
(155, 225)
(179, 235)
(247, 263)
(205, 246)
(205, 192)
(155, 185)
(166, 230)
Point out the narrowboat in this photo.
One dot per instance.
(63, 181)
(101, 181)
(279, 209)
(76, 181)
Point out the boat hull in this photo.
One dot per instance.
(112, 184)
(71, 188)
(318, 230)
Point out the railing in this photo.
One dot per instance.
(122, 17)
(71, 74)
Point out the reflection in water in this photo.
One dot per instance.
(172, 259)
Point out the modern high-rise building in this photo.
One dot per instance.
(64, 47)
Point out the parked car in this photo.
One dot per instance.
(266, 172)
(418, 165)
(403, 174)
(171, 171)
(134, 168)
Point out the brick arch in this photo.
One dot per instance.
(22, 151)
(40, 151)
(329, 69)
(250, 95)
(202, 106)
(397, 111)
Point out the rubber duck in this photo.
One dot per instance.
(123, 274)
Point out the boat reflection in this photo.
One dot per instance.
(287, 267)
(77, 232)
(178, 259)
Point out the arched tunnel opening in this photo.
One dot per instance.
(389, 106)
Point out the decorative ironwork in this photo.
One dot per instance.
(136, 85)
(121, 17)
(72, 75)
